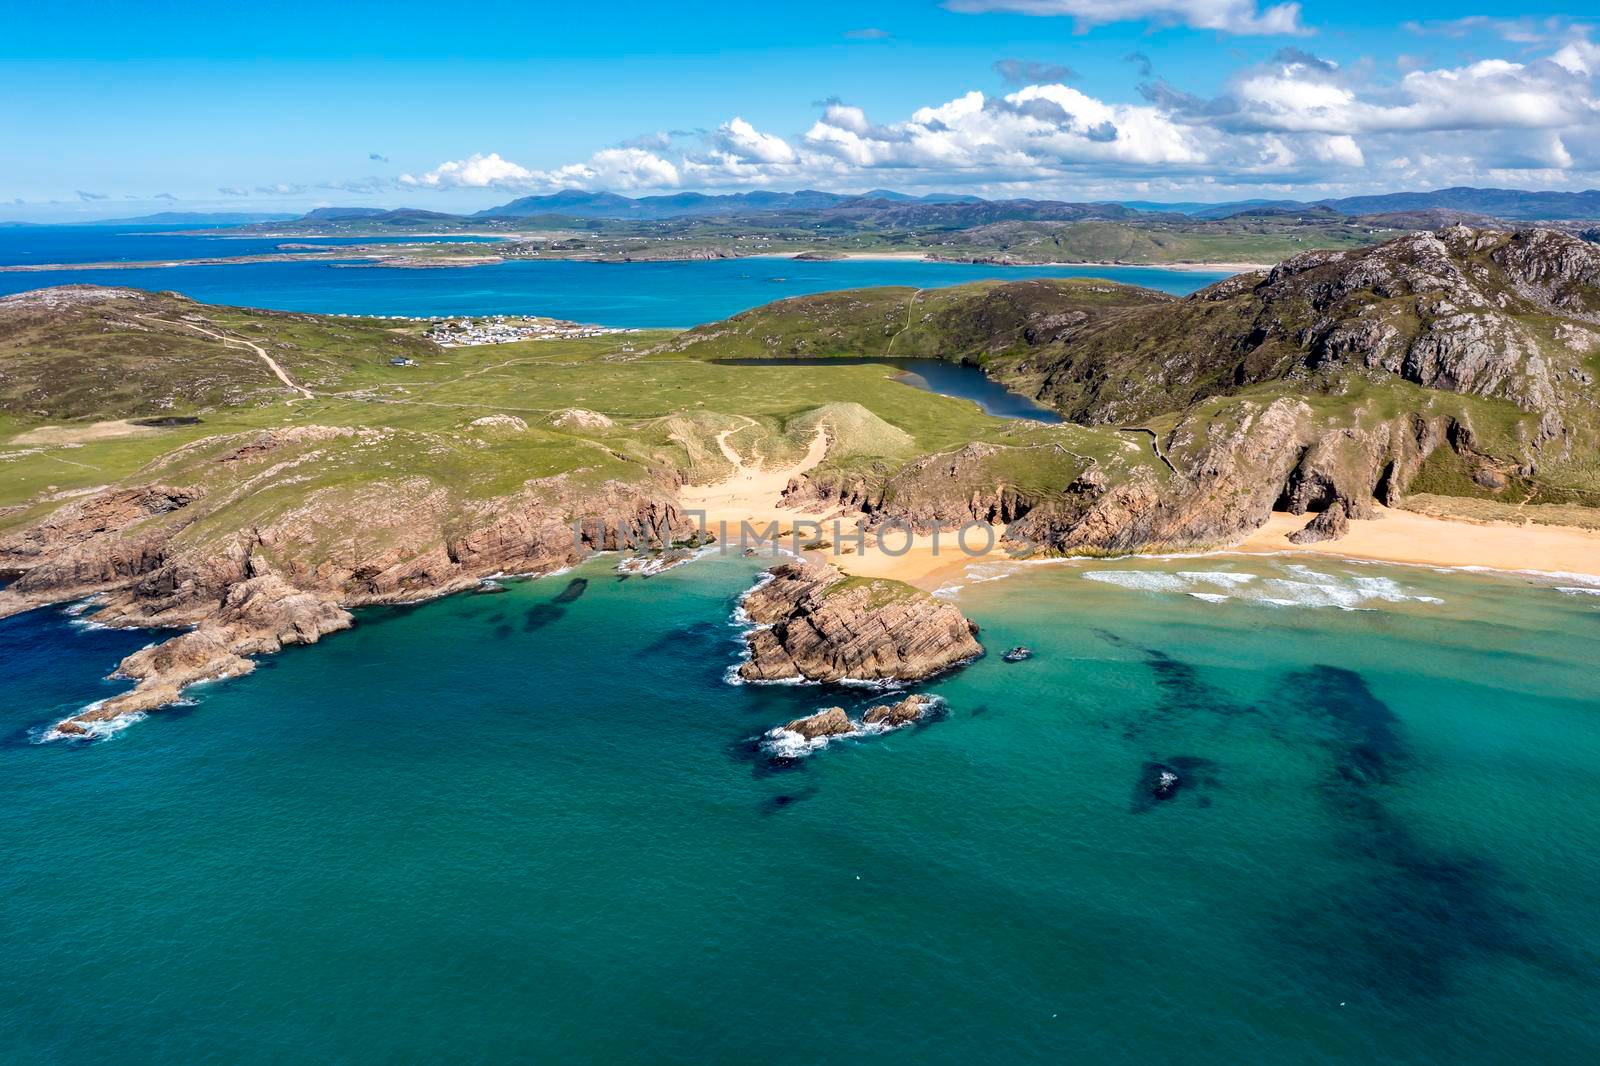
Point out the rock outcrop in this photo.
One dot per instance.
(257, 617)
(828, 722)
(812, 623)
(895, 715)
(805, 735)
(1327, 525)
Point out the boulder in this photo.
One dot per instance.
(1330, 524)
(895, 715)
(830, 722)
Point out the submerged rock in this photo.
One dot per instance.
(1164, 780)
(816, 624)
(575, 588)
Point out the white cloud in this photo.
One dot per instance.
(609, 168)
(1579, 56)
(1242, 17)
(475, 172)
(743, 141)
(1303, 94)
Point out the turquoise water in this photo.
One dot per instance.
(500, 827)
(630, 295)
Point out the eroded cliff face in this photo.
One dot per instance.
(247, 578)
(814, 624)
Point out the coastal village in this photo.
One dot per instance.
(507, 329)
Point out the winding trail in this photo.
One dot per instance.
(1155, 445)
(910, 306)
(235, 342)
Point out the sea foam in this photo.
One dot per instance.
(1300, 586)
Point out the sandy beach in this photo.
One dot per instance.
(1407, 537)
(753, 495)
(742, 509)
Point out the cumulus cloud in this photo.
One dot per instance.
(90, 197)
(475, 172)
(867, 33)
(1292, 120)
(1301, 93)
(747, 144)
(281, 188)
(377, 157)
(232, 190)
(164, 196)
(1027, 72)
(609, 168)
(1241, 17)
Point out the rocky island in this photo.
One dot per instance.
(813, 623)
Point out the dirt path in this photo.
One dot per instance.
(234, 342)
(910, 305)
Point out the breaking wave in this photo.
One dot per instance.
(781, 743)
(1301, 587)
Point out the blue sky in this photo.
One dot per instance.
(115, 109)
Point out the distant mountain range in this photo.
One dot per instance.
(890, 209)
(574, 203)
(956, 209)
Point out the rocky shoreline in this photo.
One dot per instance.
(134, 553)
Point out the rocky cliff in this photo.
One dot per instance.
(813, 623)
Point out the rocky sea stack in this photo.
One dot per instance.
(816, 624)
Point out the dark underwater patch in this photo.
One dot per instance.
(540, 615)
(502, 631)
(1361, 732)
(575, 588)
(785, 800)
(1416, 913)
(694, 637)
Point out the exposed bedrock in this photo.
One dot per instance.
(161, 555)
(815, 624)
